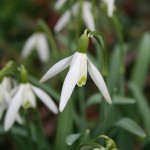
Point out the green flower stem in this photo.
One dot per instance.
(27, 127)
(82, 106)
(99, 55)
(42, 141)
(51, 40)
(80, 18)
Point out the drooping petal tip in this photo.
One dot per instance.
(99, 81)
(46, 99)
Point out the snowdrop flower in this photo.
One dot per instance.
(39, 42)
(79, 65)
(25, 96)
(86, 15)
(5, 97)
(110, 6)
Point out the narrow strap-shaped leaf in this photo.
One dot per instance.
(130, 126)
(117, 100)
(141, 66)
(114, 71)
(64, 127)
(142, 104)
(43, 26)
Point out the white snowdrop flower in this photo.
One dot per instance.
(5, 97)
(25, 96)
(39, 42)
(79, 65)
(110, 6)
(86, 16)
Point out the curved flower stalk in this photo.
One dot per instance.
(24, 95)
(79, 65)
(5, 97)
(65, 18)
(39, 42)
(110, 6)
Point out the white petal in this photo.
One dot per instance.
(70, 82)
(29, 45)
(87, 16)
(99, 81)
(42, 47)
(63, 21)
(58, 67)
(13, 109)
(46, 99)
(59, 3)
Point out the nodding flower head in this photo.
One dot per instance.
(79, 66)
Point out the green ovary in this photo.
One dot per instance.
(82, 81)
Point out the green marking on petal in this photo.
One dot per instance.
(26, 105)
(82, 81)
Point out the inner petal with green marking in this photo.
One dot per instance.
(82, 81)
(83, 71)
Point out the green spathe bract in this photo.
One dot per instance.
(83, 43)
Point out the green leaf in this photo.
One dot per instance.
(117, 99)
(114, 71)
(18, 131)
(64, 127)
(50, 37)
(122, 100)
(130, 126)
(72, 138)
(142, 104)
(103, 52)
(141, 66)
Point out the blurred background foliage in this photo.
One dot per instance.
(18, 20)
